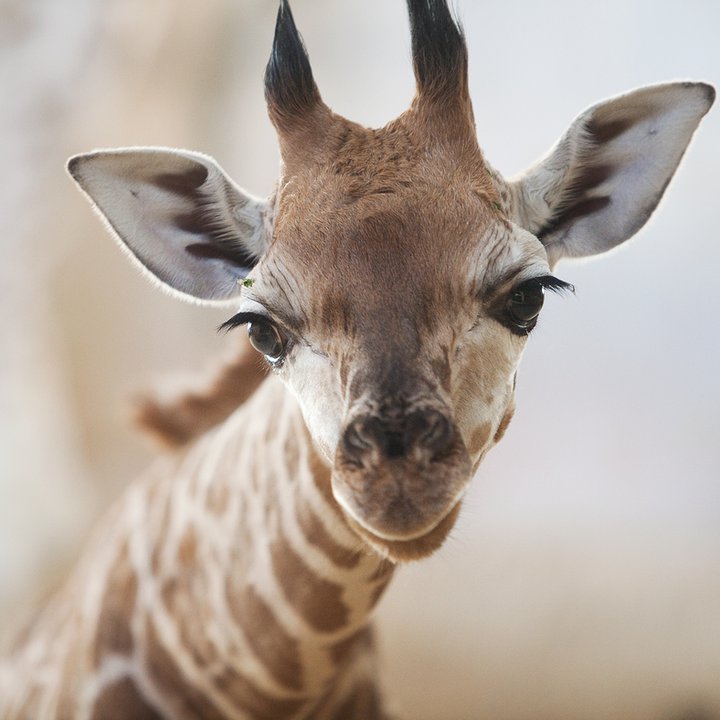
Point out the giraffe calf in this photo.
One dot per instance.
(390, 283)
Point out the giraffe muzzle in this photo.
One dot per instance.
(399, 475)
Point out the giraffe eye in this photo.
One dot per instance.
(524, 304)
(267, 339)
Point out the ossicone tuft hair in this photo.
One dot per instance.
(290, 89)
(439, 50)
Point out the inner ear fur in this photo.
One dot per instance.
(603, 179)
(179, 215)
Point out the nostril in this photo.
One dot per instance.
(438, 434)
(393, 445)
(355, 442)
(385, 437)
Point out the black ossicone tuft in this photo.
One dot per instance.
(439, 49)
(290, 89)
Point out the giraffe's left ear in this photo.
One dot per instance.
(179, 215)
(601, 182)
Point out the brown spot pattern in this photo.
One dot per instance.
(362, 639)
(384, 571)
(274, 647)
(441, 369)
(321, 476)
(479, 438)
(362, 703)
(162, 500)
(317, 535)
(187, 550)
(122, 701)
(257, 703)
(504, 425)
(318, 601)
(113, 626)
(186, 701)
(175, 421)
(378, 592)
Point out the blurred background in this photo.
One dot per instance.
(583, 580)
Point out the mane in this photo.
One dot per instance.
(176, 418)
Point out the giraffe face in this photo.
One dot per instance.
(397, 314)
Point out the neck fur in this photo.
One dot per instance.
(227, 579)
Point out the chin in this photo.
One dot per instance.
(417, 548)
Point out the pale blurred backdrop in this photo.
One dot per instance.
(583, 580)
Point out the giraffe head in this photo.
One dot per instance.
(393, 277)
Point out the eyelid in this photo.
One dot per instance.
(269, 312)
(243, 318)
(550, 282)
(511, 281)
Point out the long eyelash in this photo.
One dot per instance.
(549, 282)
(242, 318)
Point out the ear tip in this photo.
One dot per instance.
(76, 165)
(73, 165)
(705, 91)
(710, 92)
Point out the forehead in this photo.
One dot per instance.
(383, 214)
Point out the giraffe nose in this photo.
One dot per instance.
(427, 432)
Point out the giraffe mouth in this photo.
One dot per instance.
(415, 548)
(404, 513)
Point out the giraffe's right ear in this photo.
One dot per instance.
(178, 214)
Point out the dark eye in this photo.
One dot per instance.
(524, 304)
(267, 339)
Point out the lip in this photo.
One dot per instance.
(414, 548)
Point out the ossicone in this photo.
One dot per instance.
(290, 89)
(439, 52)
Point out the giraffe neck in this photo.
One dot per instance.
(230, 587)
